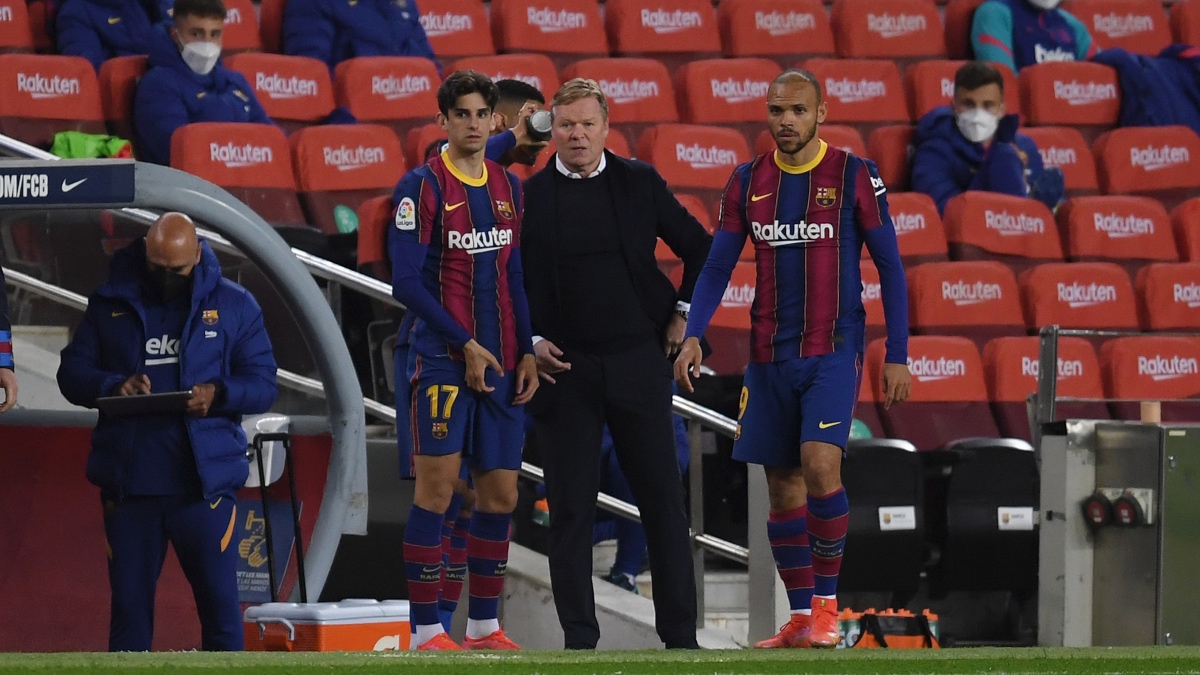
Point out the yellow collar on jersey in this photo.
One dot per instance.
(467, 180)
(804, 168)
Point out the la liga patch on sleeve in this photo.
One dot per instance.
(406, 215)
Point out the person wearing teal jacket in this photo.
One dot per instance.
(1019, 33)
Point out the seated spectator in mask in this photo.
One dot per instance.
(1019, 33)
(335, 30)
(99, 30)
(186, 82)
(973, 145)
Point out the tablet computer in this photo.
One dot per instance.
(145, 404)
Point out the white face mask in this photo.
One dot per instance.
(201, 57)
(1045, 4)
(977, 124)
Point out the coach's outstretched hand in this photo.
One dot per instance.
(687, 364)
(897, 384)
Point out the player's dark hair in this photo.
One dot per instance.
(462, 83)
(517, 92)
(975, 74)
(792, 74)
(204, 9)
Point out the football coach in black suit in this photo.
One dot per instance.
(605, 319)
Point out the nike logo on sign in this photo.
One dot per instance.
(759, 198)
(826, 425)
(451, 207)
(67, 187)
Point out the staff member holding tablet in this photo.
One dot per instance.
(166, 321)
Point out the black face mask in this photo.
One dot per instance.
(168, 286)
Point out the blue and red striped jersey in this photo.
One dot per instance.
(468, 230)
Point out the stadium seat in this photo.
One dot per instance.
(1137, 26)
(1169, 296)
(241, 28)
(639, 91)
(1185, 22)
(837, 135)
(16, 34)
(1130, 231)
(1083, 95)
(119, 78)
(1153, 368)
(533, 69)
(977, 300)
(1185, 220)
(42, 44)
(903, 31)
(783, 30)
(374, 218)
(694, 159)
(948, 401)
(250, 161)
(338, 167)
(958, 16)
(398, 91)
(919, 228)
(862, 93)
(872, 299)
(1158, 162)
(457, 28)
(1011, 364)
(417, 139)
(1064, 148)
(1078, 295)
(564, 30)
(673, 31)
(727, 92)
(1016, 231)
(270, 25)
(295, 91)
(890, 147)
(42, 95)
(930, 84)
(729, 330)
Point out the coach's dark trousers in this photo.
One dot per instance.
(631, 392)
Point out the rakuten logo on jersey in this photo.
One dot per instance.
(239, 156)
(1055, 156)
(1066, 369)
(734, 91)
(789, 234)
(964, 293)
(1159, 367)
(1058, 54)
(440, 25)
(39, 86)
(908, 222)
(895, 25)
(664, 22)
(1189, 295)
(1121, 227)
(700, 157)
(926, 369)
(392, 88)
(1080, 93)
(349, 159)
(629, 91)
(531, 80)
(871, 293)
(163, 350)
(279, 87)
(233, 16)
(1115, 26)
(1078, 295)
(550, 21)
(475, 243)
(778, 24)
(1153, 159)
(847, 91)
(737, 296)
(1009, 225)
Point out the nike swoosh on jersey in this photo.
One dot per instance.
(116, 314)
(451, 207)
(826, 425)
(114, 20)
(215, 504)
(759, 198)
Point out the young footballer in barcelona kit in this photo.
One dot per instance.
(457, 268)
(809, 208)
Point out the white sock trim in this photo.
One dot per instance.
(427, 633)
(805, 612)
(481, 628)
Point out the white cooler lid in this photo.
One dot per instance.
(346, 610)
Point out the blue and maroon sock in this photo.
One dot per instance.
(487, 561)
(456, 569)
(788, 533)
(423, 564)
(828, 518)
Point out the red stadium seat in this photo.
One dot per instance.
(958, 16)
(783, 30)
(1064, 148)
(119, 78)
(16, 35)
(416, 141)
(872, 300)
(1016, 231)
(639, 91)
(1130, 231)
(1078, 295)
(673, 31)
(930, 84)
(374, 219)
(1158, 162)
(536, 70)
(1185, 22)
(728, 92)
(338, 167)
(1185, 220)
(919, 228)
(457, 28)
(270, 25)
(1086, 96)
(900, 30)
(42, 95)
(564, 30)
(241, 28)
(42, 43)
(729, 330)
(1169, 296)
(399, 91)
(1152, 368)
(694, 159)
(1011, 365)
(295, 91)
(949, 399)
(1137, 26)
(890, 147)
(861, 93)
(977, 300)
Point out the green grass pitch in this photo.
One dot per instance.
(1117, 660)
